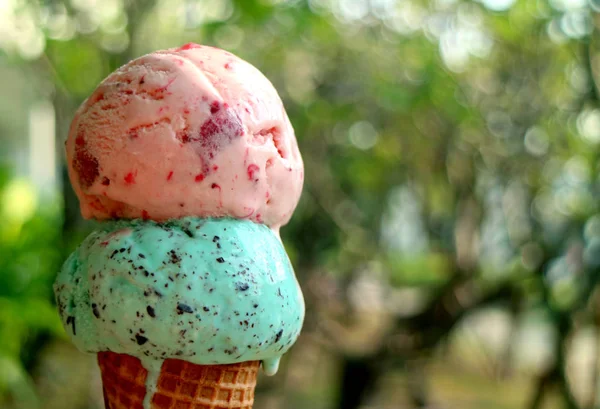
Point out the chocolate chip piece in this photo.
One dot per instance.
(175, 258)
(150, 311)
(95, 310)
(141, 340)
(278, 335)
(181, 308)
(239, 286)
(71, 320)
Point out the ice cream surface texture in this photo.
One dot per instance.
(188, 159)
(189, 131)
(207, 291)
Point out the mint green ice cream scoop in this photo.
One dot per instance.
(208, 291)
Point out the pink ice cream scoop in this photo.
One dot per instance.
(192, 131)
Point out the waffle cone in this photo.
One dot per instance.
(181, 384)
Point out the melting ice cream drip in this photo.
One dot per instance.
(271, 365)
(153, 367)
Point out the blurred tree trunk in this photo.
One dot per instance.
(64, 107)
(359, 377)
(361, 374)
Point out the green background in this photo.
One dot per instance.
(448, 237)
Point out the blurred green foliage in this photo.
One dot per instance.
(451, 153)
(29, 260)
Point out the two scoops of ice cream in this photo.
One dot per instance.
(189, 159)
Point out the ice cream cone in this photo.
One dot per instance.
(181, 384)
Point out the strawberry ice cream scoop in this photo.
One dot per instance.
(192, 131)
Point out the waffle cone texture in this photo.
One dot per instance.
(181, 384)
